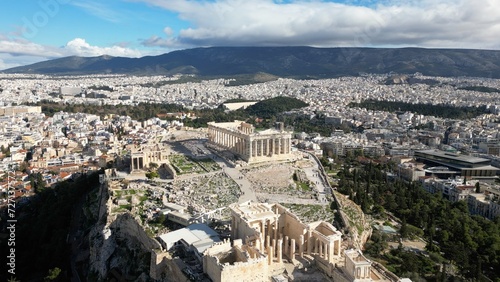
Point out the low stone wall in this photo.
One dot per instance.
(170, 169)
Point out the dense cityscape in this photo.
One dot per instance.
(250, 141)
(180, 193)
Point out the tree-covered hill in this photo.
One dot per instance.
(444, 111)
(271, 107)
(452, 235)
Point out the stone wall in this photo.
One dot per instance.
(158, 266)
(241, 229)
(211, 265)
(245, 263)
(292, 226)
(252, 271)
(170, 170)
(325, 266)
(339, 276)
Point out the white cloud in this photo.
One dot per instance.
(425, 23)
(168, 31)
(80, 47)
(18, 52)
(22, 47)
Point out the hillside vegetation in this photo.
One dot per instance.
(271, 107)
(443, 111)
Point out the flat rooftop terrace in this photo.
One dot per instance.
(452, 156)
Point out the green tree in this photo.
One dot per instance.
(5, 151)
(24, 166)
(53, 274)
(161, 218)
(37, 182)
(152, 174)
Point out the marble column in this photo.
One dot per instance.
(309, 243)
(331, 253)
(255, 148)
(276, 229)
(249, 144)
(269, 228)
(269, 255)
(279, 251)
(261, 147)
(301, 246)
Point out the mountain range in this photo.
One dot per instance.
(296, 62)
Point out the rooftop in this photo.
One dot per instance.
(199, 235)
(453, 156)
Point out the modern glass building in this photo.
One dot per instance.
(466, 166)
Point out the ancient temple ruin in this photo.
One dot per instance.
(251, 146)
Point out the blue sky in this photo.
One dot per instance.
(37, 30)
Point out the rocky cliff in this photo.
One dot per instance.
(357, 225)
(118, 244)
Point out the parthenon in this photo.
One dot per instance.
(241, 139)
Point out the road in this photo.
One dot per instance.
(248, 194)
(315, 176)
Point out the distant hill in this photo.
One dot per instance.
(297, 62)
